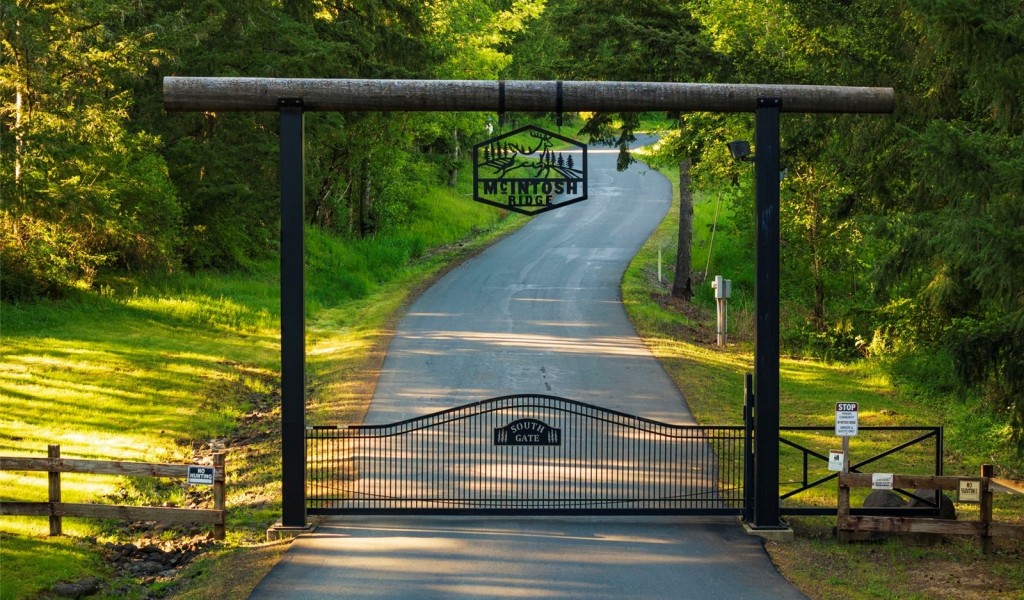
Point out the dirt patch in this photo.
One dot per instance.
(228, 574)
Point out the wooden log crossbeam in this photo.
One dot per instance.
(250, 94)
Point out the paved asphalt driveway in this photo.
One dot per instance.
(539, 312)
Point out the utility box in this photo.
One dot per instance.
(723, 291)
(722, 287)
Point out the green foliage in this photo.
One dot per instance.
(103, 180)
(989, 353)
(922, 209)
(839, 342)
(611, 40)
(80, 184)
(649, 40)
(902, 232)
(139, 369)
(40, 258)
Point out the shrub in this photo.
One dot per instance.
(39, 258)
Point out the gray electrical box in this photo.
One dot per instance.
(722, 287)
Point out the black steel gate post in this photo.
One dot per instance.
(766, 342)
(748, 447)
(293, 316)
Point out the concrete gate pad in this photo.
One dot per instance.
(526, 557)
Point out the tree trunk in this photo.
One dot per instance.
(682, 286)
(453, 172)
(20, 93)
(365, 200)
(814, 238)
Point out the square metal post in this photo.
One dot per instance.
(293, 316)
(766, 294)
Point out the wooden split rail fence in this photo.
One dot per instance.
(984, 528)
(56, 509)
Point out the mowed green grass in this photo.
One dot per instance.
(138, 370)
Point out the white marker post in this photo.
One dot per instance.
(723, 291)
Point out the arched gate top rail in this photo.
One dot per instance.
(548, 401)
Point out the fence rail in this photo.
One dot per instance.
(54, 508)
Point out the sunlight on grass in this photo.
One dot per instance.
(63, 559)
(711, 379)
(153, 387)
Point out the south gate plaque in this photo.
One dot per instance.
(527, 432)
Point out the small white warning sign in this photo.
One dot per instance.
(970, 491)
(835, 460)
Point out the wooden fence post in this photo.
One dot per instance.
(986, 508)
(218, 494)
(53, 453)
(843, 510)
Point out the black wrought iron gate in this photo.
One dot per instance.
(531, 454)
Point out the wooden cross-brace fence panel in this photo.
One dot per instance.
(984, 528)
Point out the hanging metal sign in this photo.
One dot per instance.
(527, 432)
(530, 171)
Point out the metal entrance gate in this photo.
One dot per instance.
(529, 454)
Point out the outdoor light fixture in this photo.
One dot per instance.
(740, 150)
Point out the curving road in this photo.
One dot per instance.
(539, 312)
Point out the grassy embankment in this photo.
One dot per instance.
(155, 370)
(682, 336)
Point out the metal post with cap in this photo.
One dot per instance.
(293, 314)
(766, 307)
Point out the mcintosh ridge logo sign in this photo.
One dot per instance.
(530, 171)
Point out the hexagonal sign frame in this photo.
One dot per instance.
(530, 170)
